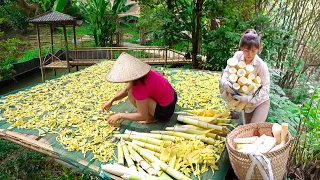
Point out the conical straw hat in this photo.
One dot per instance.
(127, 68)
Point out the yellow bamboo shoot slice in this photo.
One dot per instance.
(249, 81)
(284, 131)
(172, 172)
(249, 69)
(233, 103)
(243, 89)
(233, 78)
(241, 65)
(257, 80)
(251, 76)
(120, 154)
(232, 70)
(240, 106)
(241, 73)
(232, 62)
(242, 81)
(236, 86)
(151, 147)
(251, 88)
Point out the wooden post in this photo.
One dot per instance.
(74, 37)
(66, 44)
(39, 51)
(166, 57)
(52, 49)
(75, 45)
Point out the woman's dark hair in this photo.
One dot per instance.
(134, 82)
(250, 39)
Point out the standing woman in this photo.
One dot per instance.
(258, 105)
(148, 91)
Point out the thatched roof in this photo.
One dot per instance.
(53, 17)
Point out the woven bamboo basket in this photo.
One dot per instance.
(241, 161)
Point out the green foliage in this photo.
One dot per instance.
(163, 29)
(18, 162)
(59, 5)
(14, 18)
(9, 51)
(306, 148)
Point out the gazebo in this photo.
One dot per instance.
(55, 19)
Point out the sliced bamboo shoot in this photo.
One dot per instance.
(236, 86)
(143, 138)
(152, 147)
(140, 148)
(249, 82)
(241, 65)
(243, 89)
(249, 69)
(257, 80)
(276, 131)
(242, 81)
(199, 123)
(240, 106)
(232, 62)
(195, 131)
(251, 76)
(147, 167)
(120, 154)
(284, 131)
(128, 158)
(174, 173)
(188, 136)
(233, 78)
(241, 73)
(156, 136)
(232, 70)
(268, 144)
(233, 103)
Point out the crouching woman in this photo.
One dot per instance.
(147, 90)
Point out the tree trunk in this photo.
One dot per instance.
(170, 9)
(29, 9)
(196, 28)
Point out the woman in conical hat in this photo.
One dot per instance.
(148, 91)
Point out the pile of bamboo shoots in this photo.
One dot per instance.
(264, 143)
(243, 81)
(178, 151)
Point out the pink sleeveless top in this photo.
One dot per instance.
(155, 87)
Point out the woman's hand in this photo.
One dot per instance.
(114, 119)
(107, 105)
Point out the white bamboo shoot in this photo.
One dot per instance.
(232, 62)
(241, 65)
(257, 80)
(232, 70)
(242, 81)
(244, 89)
(233, 78)
(249, 69)
(241, 73)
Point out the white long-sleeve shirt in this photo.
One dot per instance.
(260, 69)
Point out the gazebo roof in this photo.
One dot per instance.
(53, 17)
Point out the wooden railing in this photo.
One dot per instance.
(150, 55)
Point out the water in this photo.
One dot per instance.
(33, 78)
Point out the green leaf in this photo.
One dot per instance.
(59, 5)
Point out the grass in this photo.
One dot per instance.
(18, 162)
(134, 32)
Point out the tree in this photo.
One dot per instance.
(102, 15)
